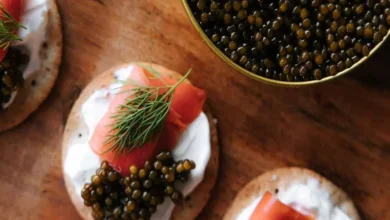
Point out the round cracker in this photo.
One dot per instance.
(76, 132)
(38, 86)
(280, 179)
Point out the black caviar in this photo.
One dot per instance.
(136, 196)
(11, 75)
(294, 40)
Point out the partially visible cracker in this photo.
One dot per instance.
(38, 86)
(280, 179)
(193, 204)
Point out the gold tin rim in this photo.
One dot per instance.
(264, 79)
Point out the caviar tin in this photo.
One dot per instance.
(265, 79)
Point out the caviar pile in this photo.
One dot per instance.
(294, 40)
(136, 196)
(11, 76)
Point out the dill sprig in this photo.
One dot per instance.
(8, 27)
(141, 118)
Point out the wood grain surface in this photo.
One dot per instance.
(339, 129)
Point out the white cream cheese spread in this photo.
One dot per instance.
(35, 20)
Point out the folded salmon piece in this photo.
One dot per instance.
(187, 104)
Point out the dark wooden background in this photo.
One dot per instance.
(339, 129)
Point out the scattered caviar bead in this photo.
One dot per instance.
(179, 168)
(108, 201)
(301, 33)
(305, 56)
(100, 190)
(147, 184)
(358, 48)
(146, 196)
(359, 9)
(302, 70)
(236, 6)
(242, 15)
(365, 50)
(112, 176)
(95, 180)
(104, 165)
(333, 47)
(355, 59)
(383, 30)
(136, 194)
(169, 190)
(377, 37)
(348, 63)
(170, 177)
(340, 66)
(283, 62)
(319, 59)
(333, 70)
(153, 175)
(336, 14)
(87, 203)
(276, 25)
(350, 28)
(103, 174)
(215, 38)
(187, 165)
(117, 212)
(85, 194)
(317, 74)
(243, 60)
(213, 6)
(251, 19)
(368, 32)
(330, 38)
(133, 170)
(341, 44)
(294, 71)
(135, 185)
(309, 65)
(283, 7)
(234, 56)
(335, 57)
(304, 14)
(225, 40)
(128, 191)
(130, 205)
(96, 207)
(306, 23)
(204, 17)
(324, 10)
(255, 69)
(142, 173)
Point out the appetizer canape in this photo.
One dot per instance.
(30, 55)
(140, 144)
(293, 194)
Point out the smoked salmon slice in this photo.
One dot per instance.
(270, 208)
(187, 104)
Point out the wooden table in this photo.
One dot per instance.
(339, 129)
